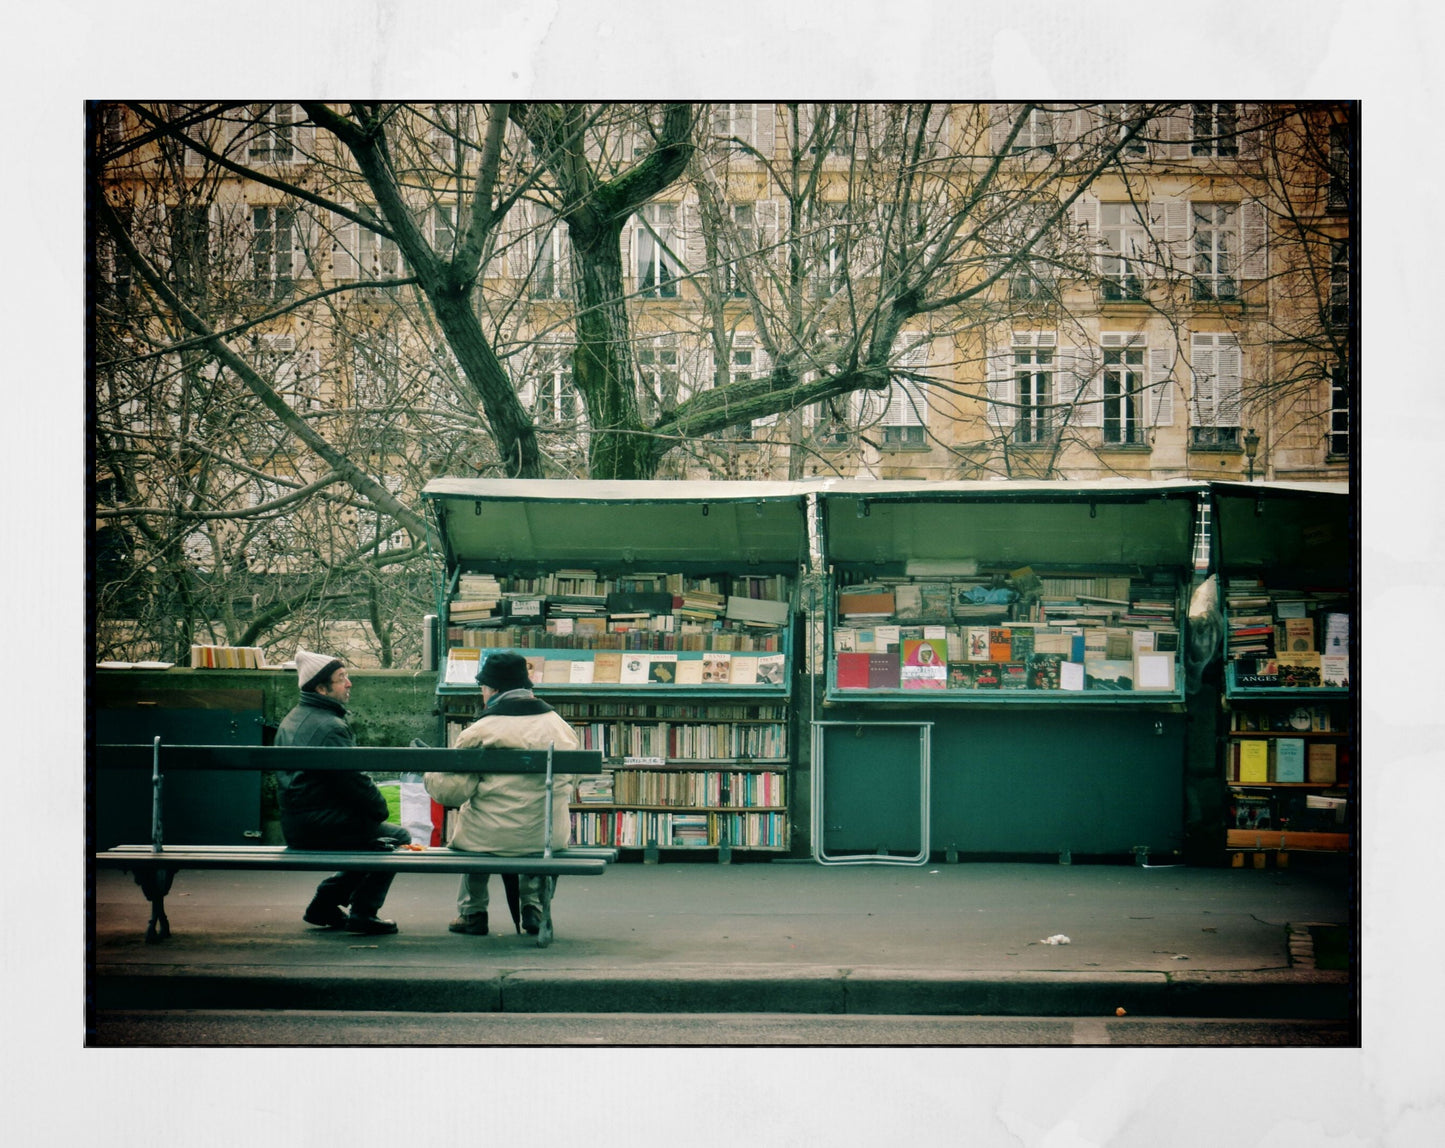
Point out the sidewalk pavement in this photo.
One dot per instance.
(782, 936)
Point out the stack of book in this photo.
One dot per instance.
(228, 658)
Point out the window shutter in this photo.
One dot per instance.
(1085, 380)
(1001, 391)
(1086, 218)
(688, 241)
(1177, 129)
(937, 130)
(1203, 368)
(767, 216)
(303, 244)
(303, 135)
(1249, 130)
(767, 115)
(998, 129)
(233, 221)
(519, 242)
(345, 236)
(1229, 390)
(1159, 401)
(1254, 252)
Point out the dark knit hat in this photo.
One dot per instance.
(504, 671)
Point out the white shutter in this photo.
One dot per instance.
(1086, 218)
(345, 239)
(1254, 253)
(519, 242)
(1247, 124)
(1229, 389)
(766, 215)
(1203, 389)
(303, 136)
(688, 241)
(1159, 401)
(937, 129)
(234, 223)
(1002, 391)
(1003, 116)
(1178, 130)
(303, 244)
(1083, 377)
(767, 121)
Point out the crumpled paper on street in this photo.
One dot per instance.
(1056, 939)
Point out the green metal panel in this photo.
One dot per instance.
(502, 524)
(1100, 782)
(1302, 535)
(870, 790)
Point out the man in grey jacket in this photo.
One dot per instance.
(334, 809)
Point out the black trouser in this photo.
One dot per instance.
(364, 892)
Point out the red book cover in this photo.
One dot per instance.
(1000, 644)
(883, 671)
(853, 671)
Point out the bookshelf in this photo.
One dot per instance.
(670, 649)
(1022, 633)
(1288, 766)
(1286, 560)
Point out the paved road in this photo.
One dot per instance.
(296, 1028)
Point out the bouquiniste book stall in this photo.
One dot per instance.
(1288, 574)
(658, 617)
(1033, 633)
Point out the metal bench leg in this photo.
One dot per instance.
(544, 934)
(155, 884)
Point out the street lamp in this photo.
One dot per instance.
(1251, 449)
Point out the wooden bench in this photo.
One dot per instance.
(156, 864)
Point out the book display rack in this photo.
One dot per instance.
(1289, 772)
(670, 649)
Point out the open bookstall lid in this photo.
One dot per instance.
(662, 525)
(1045, 524)
(1292, 533)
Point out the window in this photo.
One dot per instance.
(1118, 122)
(294, 375)
(441, 228)
(371, 524)
(904, 422)
(830, 131)
(657, 375)
(744, 242)
(190, 246)
(1216, 250)
(1215, 367)
(746, 124)
(551, 270)
(1123, 390)
(1216, 130)
(273, 141)
(655, 242)
(1126, 236)
(1339, 312)
(830, 251)
(1034, 393)
(359, 253)
(1037, 134)
(1339, 436)
(1339, 190)
(272, 250)
(555, 400)
(445, 131)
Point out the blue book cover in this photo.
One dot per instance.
(1289, 759)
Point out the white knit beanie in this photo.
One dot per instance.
(308, 665)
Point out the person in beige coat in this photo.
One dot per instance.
(503, 813)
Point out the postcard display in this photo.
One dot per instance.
(1286, 568)
(658, 618)
(1040, 629)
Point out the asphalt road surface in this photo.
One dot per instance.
(159, 1029)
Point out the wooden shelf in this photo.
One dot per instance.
(1287, 839)
(1256, 733)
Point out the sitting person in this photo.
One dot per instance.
(334, 808)
(503, 813)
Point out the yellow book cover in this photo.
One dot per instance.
(607, 666)
(1254, 761)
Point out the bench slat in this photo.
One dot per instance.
(406, 861)
(369, 759)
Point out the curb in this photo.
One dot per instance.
(1303, 995)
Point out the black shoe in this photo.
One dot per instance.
(531, 919)
(326, 915)
(374, 926)
(474, 924)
